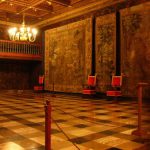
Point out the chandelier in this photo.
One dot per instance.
(22, 34)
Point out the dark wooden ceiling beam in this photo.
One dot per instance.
(50, 10)
(35, 3)
(8, 8)
(33, 15)
(14, 11)
(47, 8)
(19, 3)
(62, 2)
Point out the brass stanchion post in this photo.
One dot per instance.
(139, 131)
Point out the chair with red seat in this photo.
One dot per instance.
(116, 84)
(90, 87)
(40, 86)
(41, 80)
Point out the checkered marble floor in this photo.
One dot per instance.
(77, 123)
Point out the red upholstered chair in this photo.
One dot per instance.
(41, 80)
(116, 84)
(40, 86)
(90, 87)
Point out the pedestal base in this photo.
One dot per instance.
(141, 133)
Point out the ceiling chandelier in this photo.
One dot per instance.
(22, 34)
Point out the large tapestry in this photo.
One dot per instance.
(135, 27)
(68, 56)
(105, 50)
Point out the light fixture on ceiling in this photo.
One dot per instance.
(23, 34)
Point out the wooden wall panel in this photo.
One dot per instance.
(19, 75)
(15, 75)
(68, 56)
(105, 50)
(135, 31)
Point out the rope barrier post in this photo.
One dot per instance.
(47, 126)
(139, 131)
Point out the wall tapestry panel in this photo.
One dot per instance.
(105, 50)
(68, 56)
(135, 31)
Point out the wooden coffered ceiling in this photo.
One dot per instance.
(34, 10)
(40, 12)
